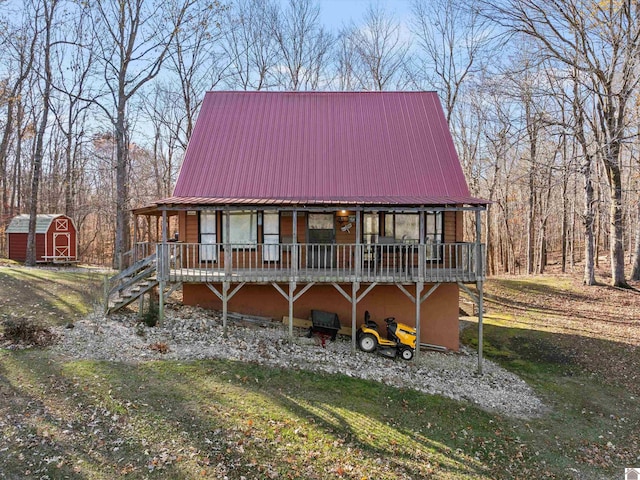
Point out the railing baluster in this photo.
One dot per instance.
(437, 262)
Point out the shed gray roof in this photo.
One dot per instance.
(20, 224)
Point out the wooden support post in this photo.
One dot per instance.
(225, 307)
(419, 288)
(164, 226)
(479, 281)
(292, 289)
(480, 332)
(294, 246)
(161, 303)
(422, 259)
(355, 286)
(358, 252)
(228, 258)
(141, 305)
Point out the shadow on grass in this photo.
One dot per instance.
(210, 419)
(39, 293)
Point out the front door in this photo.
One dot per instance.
(320, 237)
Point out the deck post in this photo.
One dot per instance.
(165, 250)
(358, 252)
(161, 303)
(225, 304)
(355, 286)
(135, 239)
(294, 245)
(228, 258)
(422, 258)
(419, 288)
(292, 289)
(479, 281)
(164, 226)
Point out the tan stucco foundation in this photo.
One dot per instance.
(439, 313)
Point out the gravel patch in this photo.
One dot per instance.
(192, 333)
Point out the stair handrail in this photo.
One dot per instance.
(138, 270)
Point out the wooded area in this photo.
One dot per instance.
(98, 101)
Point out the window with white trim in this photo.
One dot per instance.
(208, 237)
(434, 234)
(243, 228)
(402, 227)
(271, 234)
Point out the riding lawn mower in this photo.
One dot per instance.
(400, 341)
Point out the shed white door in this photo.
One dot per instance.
(61, 244)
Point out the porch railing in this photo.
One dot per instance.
(198, 262)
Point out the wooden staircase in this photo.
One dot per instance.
(130, 284)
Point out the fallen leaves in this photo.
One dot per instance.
(159, 347)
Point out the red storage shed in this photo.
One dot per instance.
(56, 238)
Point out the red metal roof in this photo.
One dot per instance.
(321, 147)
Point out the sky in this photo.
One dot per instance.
(336, 13)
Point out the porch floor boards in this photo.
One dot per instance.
(209, 275)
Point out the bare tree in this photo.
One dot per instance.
(47, 14)
(304, 45)
(379, 51)
(250, 45)
(197, 61)
(451, 38)
(602, 40)
(135, 37)
(74, 64)
(19, 46)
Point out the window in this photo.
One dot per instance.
(370, 228)
(321, 221)
(208, 237)
(271, 234)
(402, 227)
(433, 228)
(433, 235)
(243, 228)
(405, 228)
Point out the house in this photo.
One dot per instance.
(56, 238)
(338, 201)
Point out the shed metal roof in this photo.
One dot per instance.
(321, 147)
(20, 224)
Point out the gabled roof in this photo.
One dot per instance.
(20, 224)
(320, 148)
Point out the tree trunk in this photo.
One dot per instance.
(616, 232)
(122, 242)
(38, 154)
(635, 273)
(589, 270)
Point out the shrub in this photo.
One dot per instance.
(27, 332)
(150, 317)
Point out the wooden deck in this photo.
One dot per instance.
(198, 263)
(210, 275)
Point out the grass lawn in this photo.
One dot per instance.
(211, 419)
